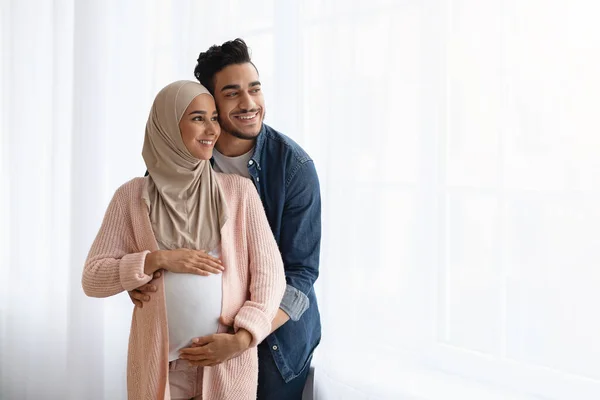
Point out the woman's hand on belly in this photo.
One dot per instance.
(215, 349)
(183, 261)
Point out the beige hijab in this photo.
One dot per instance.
(187, 207)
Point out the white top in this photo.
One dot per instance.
(193, 307)
(233, 165)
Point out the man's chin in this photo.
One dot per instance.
(246, 134)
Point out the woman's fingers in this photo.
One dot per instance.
(209, 268)
(190, 269)
(195, 354)
(210, 262)
(193, 262)
(196, 357)
(204, 254)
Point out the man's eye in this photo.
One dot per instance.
(230, 94)
(214, 119)
(256, 90)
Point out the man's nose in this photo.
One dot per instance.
(246, 102)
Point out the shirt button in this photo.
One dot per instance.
(250, 162)
(257, 179)
(275, 347)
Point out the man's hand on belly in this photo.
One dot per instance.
(214, 349)
(142, 294)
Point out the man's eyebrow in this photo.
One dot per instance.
(238, 87)
(227, 87)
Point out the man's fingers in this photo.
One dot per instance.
(133, 300)
(156, 275)
(137, 295)
(148, 287)
(134, 296)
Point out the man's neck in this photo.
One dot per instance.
(231, 146)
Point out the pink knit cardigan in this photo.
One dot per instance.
(253, 286)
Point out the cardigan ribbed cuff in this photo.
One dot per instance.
(131, 270)
(254, 321)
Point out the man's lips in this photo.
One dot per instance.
(247, 118)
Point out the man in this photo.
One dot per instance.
(287, 182)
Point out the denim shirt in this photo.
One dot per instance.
(287, 182)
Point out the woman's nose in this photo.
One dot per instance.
(211, 129)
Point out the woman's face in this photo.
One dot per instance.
(199, 127)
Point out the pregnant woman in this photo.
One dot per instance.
(207, 235)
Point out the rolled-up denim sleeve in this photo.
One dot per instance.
(300, 239)
(294, 303)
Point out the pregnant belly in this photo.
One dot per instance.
(193, 308)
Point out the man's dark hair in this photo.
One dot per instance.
(218, 57)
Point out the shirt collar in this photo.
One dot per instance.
(258, 147)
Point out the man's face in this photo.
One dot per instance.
(240, 100)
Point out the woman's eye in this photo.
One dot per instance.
(197, 119)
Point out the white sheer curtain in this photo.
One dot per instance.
(458, 151)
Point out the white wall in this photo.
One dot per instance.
(457, 146)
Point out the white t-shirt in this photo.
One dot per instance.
(232, 165)
(193, 307)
